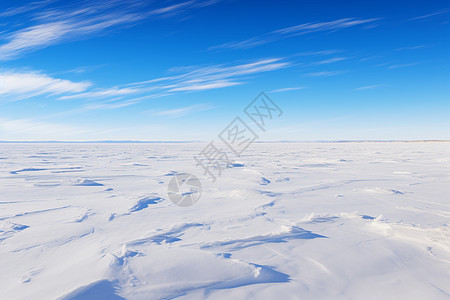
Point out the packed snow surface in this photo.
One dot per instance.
(286, 221)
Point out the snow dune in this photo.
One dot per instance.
(289, 221)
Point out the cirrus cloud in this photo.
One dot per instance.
(301, 29)
(53, 26)
(28, 84)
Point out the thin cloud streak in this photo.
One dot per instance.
(24, 85)
(301, 29)
(330, 60)
(205, 86)
(288, 89)
(397, 66)
(368, 87)
(413, 47)
(199, 79)
(431, 15)
(13, 11)
(319, 52)
(21, 85)
(38, 130)
(57, 26)
(324, 73)
(183, 111)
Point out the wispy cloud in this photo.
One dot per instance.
(301, 29)
(197, 79)
(54, 26)
(288, 89)
(81, 70)
(324, 73)
(397, 66)
(205, 86)
(368, 87)
(325, 26)
(104, 93)
(34, 37)
(23, 85)
(15, 129)
(413, 47)
(330, 60)
(441, 12)
(13, 11)
(183, 111)
(319, 52)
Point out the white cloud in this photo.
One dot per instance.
(301, 29)
(397, 66)
(33, 37)
(205, 86)
(32, 84)
(21, 85)
(197, 79)
(413, 47)
(288, 89)
(9, 12)
(330, 60)
(320, 52)
(324, 73)
(104, 93)
(325, 26)
(368, 87)
(28, 129)
(57, 25)
(64, 28)
(182, 111)
(431, 15)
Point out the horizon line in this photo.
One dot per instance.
(204, 141)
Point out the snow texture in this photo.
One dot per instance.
(289, 221)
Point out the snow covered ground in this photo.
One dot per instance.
(296, 221)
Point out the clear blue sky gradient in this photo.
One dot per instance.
(171, 70)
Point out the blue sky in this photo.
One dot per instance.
(182, 70)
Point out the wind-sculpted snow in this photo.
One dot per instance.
(286, 221)
(102, 289)
(145, 202)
